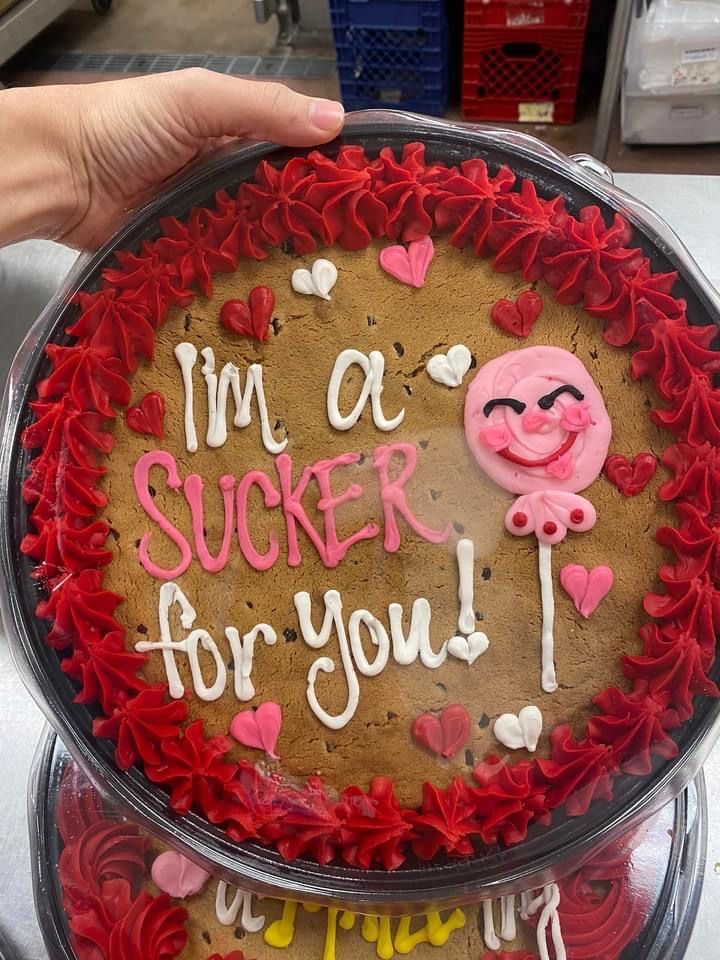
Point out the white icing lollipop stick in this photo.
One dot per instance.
(549, 681)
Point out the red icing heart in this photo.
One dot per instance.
(631, 478)
(148, 416)
(443, 735)
(251, 319)
(518, 318)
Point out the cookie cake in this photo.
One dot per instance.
(372, 507)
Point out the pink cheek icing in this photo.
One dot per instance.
(575, 418)
(495, 438)
(528, 374)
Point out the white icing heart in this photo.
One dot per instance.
(523, 730)
(468, 648)
(318, 282)
(450, 368)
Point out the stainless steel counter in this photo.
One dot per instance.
(690, 204)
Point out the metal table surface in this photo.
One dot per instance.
(691, 205)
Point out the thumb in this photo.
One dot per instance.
(209, 104)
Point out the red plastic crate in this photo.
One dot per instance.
(481, 14)
(523, 75)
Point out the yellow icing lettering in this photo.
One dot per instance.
(438, 932)
(280, 933)
(405, 942)
(330, 935)
(384, 949)
(370, 930)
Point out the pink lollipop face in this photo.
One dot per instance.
(535, 420)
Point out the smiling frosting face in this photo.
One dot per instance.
(535, 420)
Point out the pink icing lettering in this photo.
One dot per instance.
(295, 512)
(141, 474)
(328, 503)
(394, 499)
(193, 488)
(260, 561)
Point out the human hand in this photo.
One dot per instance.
(73, 159)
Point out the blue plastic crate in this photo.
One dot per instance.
(392, 53)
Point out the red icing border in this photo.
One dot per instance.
(104, 865)
(351, 201)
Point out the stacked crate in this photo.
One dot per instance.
(522, 59)
(392, 53)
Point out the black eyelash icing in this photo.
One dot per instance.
(549, 399)
(517, 405)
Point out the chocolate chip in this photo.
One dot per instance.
(424, 444)
(435, 494)
(408, 389)
(188, 322)
(484, 721)
(391, 715)
(205, 532)
(141, 628)
(137, 544)
(287, 248)
(231, 665)
(486, 573)
(152, 491)
(330, 746)
(459, 528)
(371, 320)
(279, 424)
(479, 616)
(399, 349)
(114, 533)
(469, 758)
(276, 325)
(361, 458)
(249, 605)
(441, 686)
(239, 933)
(473, 362)
(290, 635)
(206, 937)
(594, 354)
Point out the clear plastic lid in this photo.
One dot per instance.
(395, 627)
(106, 882)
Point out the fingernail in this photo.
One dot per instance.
(326, 115)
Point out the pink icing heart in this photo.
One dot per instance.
(495, 438)
(586, 588)
(258, 728)
(177, 876)
(409, 265)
